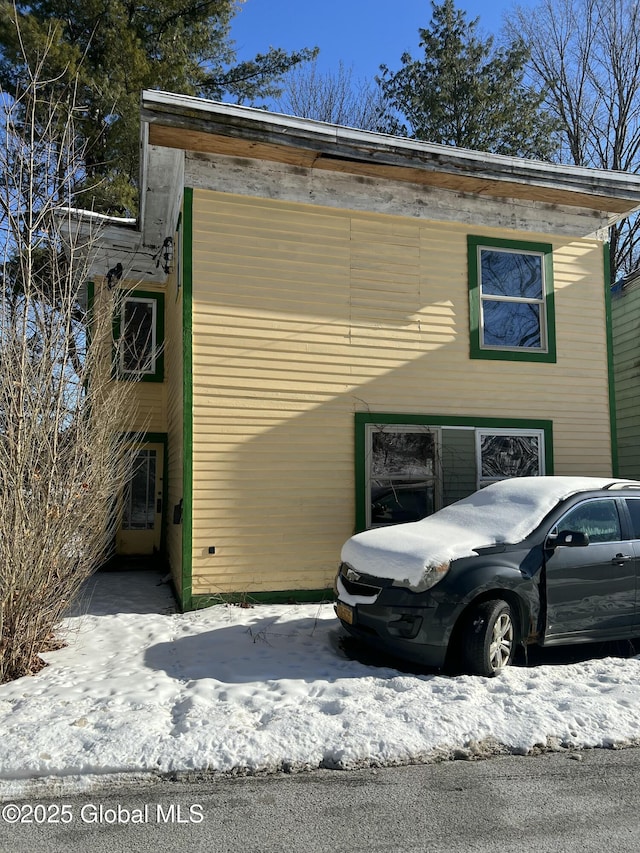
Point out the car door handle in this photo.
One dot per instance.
(620, 558)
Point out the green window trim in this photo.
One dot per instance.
(613, 423)
(364, 419)
(546, 353)
(179, 253)
(157, 374)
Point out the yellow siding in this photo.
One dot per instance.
(150, 407)
(303, 316)
(143, 404)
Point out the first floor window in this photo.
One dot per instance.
(402, 475)
(508, 453)
(408, 469)
(139, 499)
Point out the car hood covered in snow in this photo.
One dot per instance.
(502, 513)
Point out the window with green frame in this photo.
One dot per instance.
(139, 337)
(408, 466)
(511, 300)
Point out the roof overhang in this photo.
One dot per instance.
(104, 242)
(172, 125)
(181, 123)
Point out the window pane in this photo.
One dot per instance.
(402, 478)
(511, 274)
(634, 511)
(139, 506)
(393, 503)
(511, 324)
(509, 456)
(598, 519)
(137, 338)
(409, 454)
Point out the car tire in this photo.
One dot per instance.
(489, 641)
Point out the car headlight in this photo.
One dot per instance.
(432, 575)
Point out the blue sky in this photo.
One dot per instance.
(362, 33)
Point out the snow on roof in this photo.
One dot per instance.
(504, 512)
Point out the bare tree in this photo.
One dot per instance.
(585, 57)
(334, 97)
(63, 431)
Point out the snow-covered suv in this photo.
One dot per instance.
(546, 560)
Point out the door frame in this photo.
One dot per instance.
(140, 440)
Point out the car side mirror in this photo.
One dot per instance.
(568, 539)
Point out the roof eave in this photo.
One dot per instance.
(615, 193)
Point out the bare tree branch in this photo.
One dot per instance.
(63, 421)
(585, 57)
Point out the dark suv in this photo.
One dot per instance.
(546, 560)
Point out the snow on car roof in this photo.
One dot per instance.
(504, 512)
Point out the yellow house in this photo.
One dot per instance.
(334, 329)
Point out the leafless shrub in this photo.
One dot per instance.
(63, 430)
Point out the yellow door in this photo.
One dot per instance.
(140, 526)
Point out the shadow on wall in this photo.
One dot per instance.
(306, 320)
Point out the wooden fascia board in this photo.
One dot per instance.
(261, 136)
(390, 168)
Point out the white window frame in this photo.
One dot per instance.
(151, 367)
(541, 302)
(488, 431)
(436, 477)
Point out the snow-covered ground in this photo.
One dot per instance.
(141, 689)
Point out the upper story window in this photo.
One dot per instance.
(140, 332)
(511, 300)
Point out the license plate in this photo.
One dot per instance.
(344, 612)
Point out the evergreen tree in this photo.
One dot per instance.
(466, 93)
(105, 52)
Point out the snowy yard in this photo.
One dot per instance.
(140, 689)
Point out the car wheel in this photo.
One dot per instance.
(489, 641)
